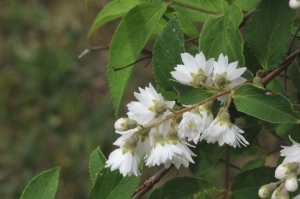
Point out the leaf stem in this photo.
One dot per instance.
(225, 179)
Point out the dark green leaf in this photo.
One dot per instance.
(269, 32)
(295, 74)
(258, 162)
(247, 183)
(112, 185)
(97, 162)
(207, 156)
(264, 105)
(43, 186)
(220, 34)
(166, 53)
(286, 130)
(111, 11)
(246, 4)
(250, 135)
(127, 43)
(275, 86)
(252, 63)
(190, 95)
(183, 187)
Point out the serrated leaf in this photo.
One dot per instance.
(127, 43)
(184, 187)
(194, 15)
(190, 95)
(207, 156)
(111, 11)
(246, 4)
(250, 135)
(221, 34)
(43, 186)
(269, 32)
(264, 105)
(295, 74)
(97, 162)
(247, 183)
(252, 164)
(112, 185)
(166, 53)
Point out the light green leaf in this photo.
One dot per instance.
(166, 53)
(295, 74)
(111, 11)
(183, 187)
(194, 15)
(187, 26)
(264, 105)
(275, 86)
(247, 183)
(221, 34)
(97, 162)
(43, 186)
(258, 162)
(127, 43)
(112, 185)
(207, 156)
(190, 95)
(246, 4)
(269, 32)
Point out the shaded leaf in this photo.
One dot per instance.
(97, 162)
(258, 162)
(295, 74)
(275, 86)
(252, 63)
(246, 4)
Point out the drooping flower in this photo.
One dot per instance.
(291, 183)
(221, 130)
(125, 158)
(294, 4)
(150, 107)
(194, 71)
(291, 153)
(227, 75)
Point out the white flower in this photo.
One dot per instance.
(291, 153)
(296, 197)
(124, 124)
(150, 107)
(125, 135)
(227, 75)
(294, 4)
(195, 71)
(277, 191)
(223, 131)
(291, 183)
(285, 169)
(125, 158)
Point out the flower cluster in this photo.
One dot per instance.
(286, 172)
(155, 131)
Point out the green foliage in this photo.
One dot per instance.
(184, 187)
(166, 53)
(43, 186)
(269, 32)
(128, 41)
(220, 34)
(247, 5)
(207, 156)
(97, 162)
(252, 164)
(261, 104)
(295, 74)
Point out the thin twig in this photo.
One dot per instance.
(91, 49)
(137, 61)
(246, 17)
(148, 184)
(225, 179)
(231, 165)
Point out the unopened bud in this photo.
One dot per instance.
(160, 108)
(266, 190)
(277, 191)
(294, 4)
(124, 124)
(291, 183)
(283, 170)
(284, 194)
(257, 81)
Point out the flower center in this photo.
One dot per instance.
(199, 78)
(221, 80)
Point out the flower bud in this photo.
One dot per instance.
(291, 183)
(124, 124)
(284, 194)
(266, 190)
(283, 170)
(172, 136)
(258, 82)
(276, 193)
(294, 4)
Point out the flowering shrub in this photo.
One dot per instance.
(201, 95)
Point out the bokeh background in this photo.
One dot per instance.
(55, 109)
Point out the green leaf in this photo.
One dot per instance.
(97, 162)
(295, 74)
(246, 4)
(191, 95)
(166, 53)
(187, 26)
(286, 130)
(127, 43)
(112, 185)
(207, 156)
(183, 187)
(269, 32)
(252, 63)
(194, 15)
(43, 186)
(264, 105)
(275, 86)
(258, 162)
(247, 183)
(250, 135)
(221, 34)
(111, 11)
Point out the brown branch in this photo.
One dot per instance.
(225, 179)
(246, 17)
(148, 184)
(231, 165)
(137, 61)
